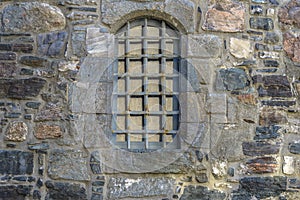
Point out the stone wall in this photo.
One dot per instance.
(240, 123)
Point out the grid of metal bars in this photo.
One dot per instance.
(146, 85)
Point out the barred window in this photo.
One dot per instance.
(146, 86)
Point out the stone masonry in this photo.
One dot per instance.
(239, 123)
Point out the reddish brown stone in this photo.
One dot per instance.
(45, 131)
(226, 17)
(262, 165)
(289, 14)
(247, 99)
(291, 45)
(269, 116)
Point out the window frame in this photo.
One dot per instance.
(166, 33)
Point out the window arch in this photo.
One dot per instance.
(146, 86)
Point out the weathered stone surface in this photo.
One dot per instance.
(294, 148)
(262, 165)
(78, 43)
(21, 88)
(99, 44)
(167, 10)
(61, 190)
(17, 192)
(204, 46)
(39, 146)
(201, 193)
(271, 38)
(51, 112)
(7, 69)
(288, 166)
(262, 187)
(279, 103)
(240, 48)
(263, 132)
(291, 45)
(256, 9)
(261, 23)
(68, 164)
(32, 17)
(273, 86)
(247, 99)
(289, 14)
(119, 188)
(95, 163)
(8, 56)
(232, 79)
(16, 162)
(201, 178)
(33, 61)
(225, 17)
(52, 44)
(269, 116)
(260, 148)
(219, 168)
(33, 105)
(16, 131)
(24, 48)
(45, 131)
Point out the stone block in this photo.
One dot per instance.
(288, 166)
(232, 79)
(78, 43)
(52, 44)
(225, 17)
(288, 14)
(256, 9)
(167, 10)
(294, 148)
(16, 131)
(240, 48)
(16, 162)
(263, 187)
(201, 178)
(21, 88)
(218, 103)
(271, 63)
(33, 61)
(68, 165)
(99, 44)
(45, 131)
(62, 190)
(204, 46)
(219, 168)
(201, 69)
(291, 45)
(10, 192)
(262, 165)
(23, 48)
(8, 56)
(261, 23)
(260, 148)
(271, 38)
(268, 116)
(200, 192)
(266, 132)
(50, 112)
(8, 69)
(40, 17)
(120, 187)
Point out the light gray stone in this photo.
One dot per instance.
(99, 44)
(240, 48)
(32, 17)
(68, 165)
(180, 13)
(288, 165)
(204, 46)
(123, 187)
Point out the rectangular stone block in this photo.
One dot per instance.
(8, 56)
(7, 69)
(16, 162)
(99, 44)
(68, 165)
(261, 23)
(262, 165)
(21, 88)
(260, 148)
(10, 192)
(119, 188)
(204, 46)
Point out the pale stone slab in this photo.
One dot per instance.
(240, 48)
